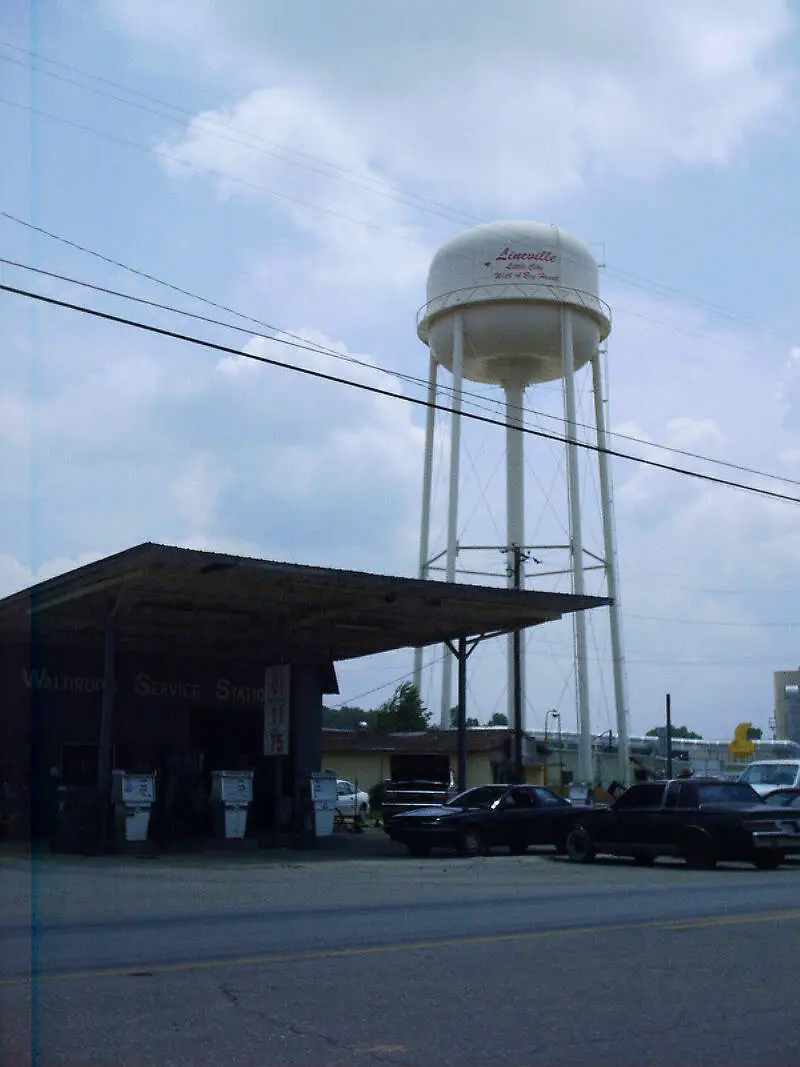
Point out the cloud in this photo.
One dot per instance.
(789, 391)
(158, 441)
(386, 113)
(520, 107)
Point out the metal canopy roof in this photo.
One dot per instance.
(187, 601)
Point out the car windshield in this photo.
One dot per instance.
(481, 797)
(771, 774)
(726, 793)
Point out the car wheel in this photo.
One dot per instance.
(769, 861)
(472, 842)
(518, 848)
(419, 848)
(699, 851)
(642, 859)
(579, 846)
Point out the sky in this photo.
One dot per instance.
(298, 165)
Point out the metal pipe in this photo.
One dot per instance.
(669, 735)
(585, 768)
(462, 714)
(610, 548)
(452, 506)
(427, 490)
(515, 532)
(106, 738)
(518, 663)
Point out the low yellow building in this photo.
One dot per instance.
(367, 757)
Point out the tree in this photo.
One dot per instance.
(680, 732)
(344, 718)
(499, 719)
(471, 723)
(755, 733)
(402, 713)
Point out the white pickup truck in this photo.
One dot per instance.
(767, 775)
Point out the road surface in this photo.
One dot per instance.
(512, 960)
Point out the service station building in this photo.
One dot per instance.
(179, 663)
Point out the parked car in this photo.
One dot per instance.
(784, 798)
(351, 802)
(473, 822)
(702, 820)
(765, 776)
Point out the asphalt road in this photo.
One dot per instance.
(524, 960)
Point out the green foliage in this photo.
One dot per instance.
(471, 723)
(755, 733)
(344, 718)
(499, 719)
(403, 712)
(376, 794)
(678, 732)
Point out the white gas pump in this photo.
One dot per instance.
(231, 794)
(133, 796)
(324, 798)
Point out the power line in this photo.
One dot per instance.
(225, 176)
(272, 148)
(221, 174)
(383, 188)
(296, 340)
(377, 391)
(291, 340)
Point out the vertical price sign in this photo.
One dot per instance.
(276, 711)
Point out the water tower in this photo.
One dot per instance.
(516, 304)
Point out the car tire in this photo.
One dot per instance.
(518, 848)
(643, 859)
(699, 851)
(769, 861)
(419, 849)
(579, 846)
(472, 842)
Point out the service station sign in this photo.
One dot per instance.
(276, 710)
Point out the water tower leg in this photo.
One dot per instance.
(427, 485)
(610, 551)
(452, 505)
(585, 769)
(515, 525)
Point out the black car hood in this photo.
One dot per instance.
(432, 811)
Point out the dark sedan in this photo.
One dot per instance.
(514, 816)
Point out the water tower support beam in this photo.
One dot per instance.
(515, 533)
(452, 507)
(585, 769)
(427, 489)
(610, 547)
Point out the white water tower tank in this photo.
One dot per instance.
(509, 281)
(515, 304)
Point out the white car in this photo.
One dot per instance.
(350, 803)
(766, 775)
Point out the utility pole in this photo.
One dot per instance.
(519, 772)
(669, 736)
(462, 654)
